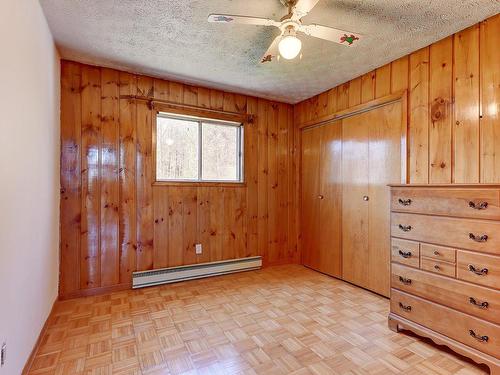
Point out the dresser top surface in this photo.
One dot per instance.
(453, 186)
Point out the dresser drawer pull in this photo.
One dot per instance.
(437, 267)
(482, 238)
(477, 271)
(478, 337)
(437, 253)
(478, 206)
(481, 305)
(405, 228)
(404, 280)
(405, 254)
(404, 307)
(406, 202)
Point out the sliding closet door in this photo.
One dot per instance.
(330, 178)
(371, 159)
(310, 224)
(355, 199)
(384, 167)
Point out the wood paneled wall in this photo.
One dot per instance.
(453, 108)
(115, 221)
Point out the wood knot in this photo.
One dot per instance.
(439, 109)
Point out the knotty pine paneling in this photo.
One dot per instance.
(453, 105)
(90, 275)
(441, 115)
(466, 131)
(127, 208)
(70, 219)
(418, 145)
(114, 221)
(490, 99)
(110, 187)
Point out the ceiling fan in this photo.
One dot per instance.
(287, 44)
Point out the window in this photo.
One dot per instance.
(194, 149)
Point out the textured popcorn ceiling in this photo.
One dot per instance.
(172, 39)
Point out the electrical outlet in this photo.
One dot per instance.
(3, 354)
(198, 248)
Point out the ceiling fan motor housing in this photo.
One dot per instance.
(289, 27)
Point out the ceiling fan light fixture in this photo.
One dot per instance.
(289, 47)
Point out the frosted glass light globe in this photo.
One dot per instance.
(289, 47)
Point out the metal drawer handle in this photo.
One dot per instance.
(404, 307)
(437, 267)
(478, 337)
(405, 228)
(320, 196)
(404, 202)
(405, 254)
(436, 253)
(478, 206)
(481, 305)
(404, 280)
(477, 271)
(477, 238)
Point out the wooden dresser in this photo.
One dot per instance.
(445, 266)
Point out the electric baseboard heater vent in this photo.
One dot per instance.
(195, 271)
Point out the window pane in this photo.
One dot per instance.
(220, 160)
(176, 149)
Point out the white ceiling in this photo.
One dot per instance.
(172, 39)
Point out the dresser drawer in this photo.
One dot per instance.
(473, 203)
(468, 298)
(479, 268)
(472, 331)
(405, 252)
(480, 235)
(438, 252)
(436, 266)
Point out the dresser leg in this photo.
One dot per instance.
(393, 325)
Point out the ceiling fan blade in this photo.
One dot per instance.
(229, 18)
(272, 52)
(343, 37)
(302, 7)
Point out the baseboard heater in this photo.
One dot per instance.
(195, 271)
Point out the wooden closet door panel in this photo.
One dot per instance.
(330, 180)
(310, 159)
(384, 167)
(354, 208)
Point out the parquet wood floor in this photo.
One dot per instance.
(280, 320)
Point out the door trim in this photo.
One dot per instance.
(351, 111)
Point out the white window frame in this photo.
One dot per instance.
(201, 120)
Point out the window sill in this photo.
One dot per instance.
(200, 184)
